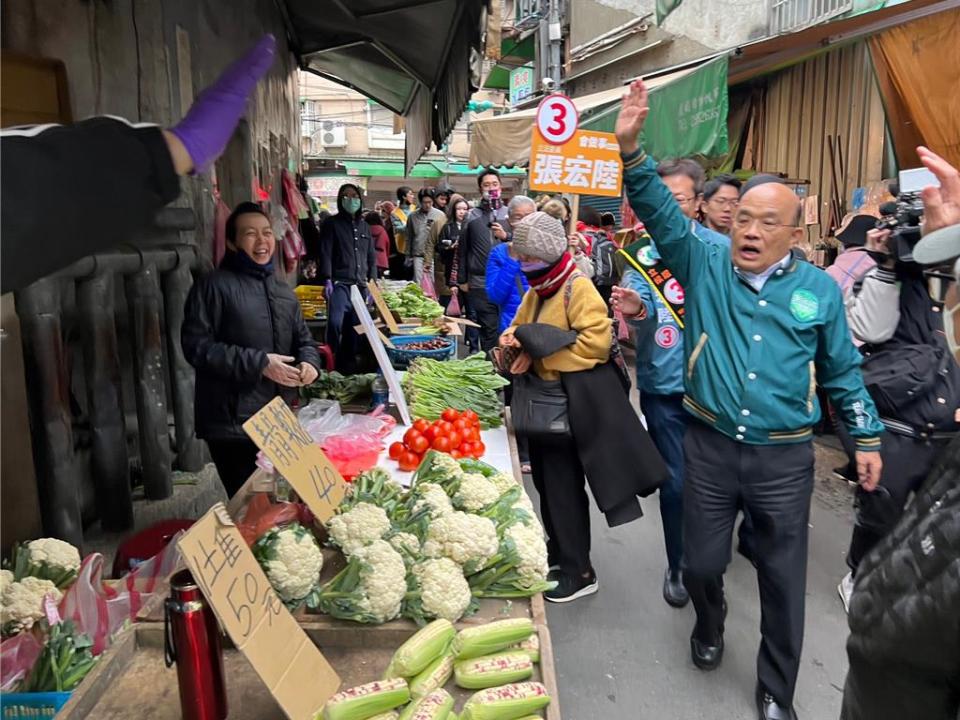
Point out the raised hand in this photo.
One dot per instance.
(633, 113)
(941, 206)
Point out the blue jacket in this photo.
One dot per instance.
(502, 275)
(659, 338)
(753, 369)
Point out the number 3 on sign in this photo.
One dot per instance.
(557, 119)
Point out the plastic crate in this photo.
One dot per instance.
(24, 706)
(401, 358)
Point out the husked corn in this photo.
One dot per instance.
(531, 646)
(435, 676)
(490, 638)
(507, 702)
(435, 706)
(490, 670)
(363, 701)
(423, 648)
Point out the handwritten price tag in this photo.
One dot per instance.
(276, 431)
(245, 603)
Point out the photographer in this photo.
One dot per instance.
(908, 370)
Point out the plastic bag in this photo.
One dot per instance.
(427, 285)
(261, 515)
(623, 330)
(17, 656)
(100, 608)
(453, 307)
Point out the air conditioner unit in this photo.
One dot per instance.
(332, 133)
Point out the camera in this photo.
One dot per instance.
(446, 243)
(902, 218)
(548, 84)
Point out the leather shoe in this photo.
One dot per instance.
(706, 657)
(674, 592)
(770, 709)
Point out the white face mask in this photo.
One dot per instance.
(951, 306)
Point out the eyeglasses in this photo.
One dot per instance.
(742, 222)
(730, 203)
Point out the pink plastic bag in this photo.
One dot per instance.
(623, 330)
(99, 608)
(427, 285)
(17, 656)
(453, 308)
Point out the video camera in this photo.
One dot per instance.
(902, 217)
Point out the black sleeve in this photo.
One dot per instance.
(465, 237)
(371, 255)
(201, 348)
(73, 190)
(328, 236)
(306, 346)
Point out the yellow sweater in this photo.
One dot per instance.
(586, 313)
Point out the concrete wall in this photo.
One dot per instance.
(146, 60)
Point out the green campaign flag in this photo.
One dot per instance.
(688, 116)
(664, 8)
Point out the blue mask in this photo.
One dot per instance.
(351, 205)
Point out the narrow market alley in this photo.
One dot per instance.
(623, 653)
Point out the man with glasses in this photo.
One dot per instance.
(720, 198)
(764, 330)
(660, 362)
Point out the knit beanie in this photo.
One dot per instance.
(540, 236)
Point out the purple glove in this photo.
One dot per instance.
(328, 288)
(214, 115)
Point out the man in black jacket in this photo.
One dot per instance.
(243, 332)
(348, 257)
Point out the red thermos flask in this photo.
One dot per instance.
(192, 641)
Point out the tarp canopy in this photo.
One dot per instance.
(424, 169)
(505, 139)
(414, 57)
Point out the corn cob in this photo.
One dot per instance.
(423, 648)
(363, 701)
(435, 706)
(507, 702)
(490, 670)
(490, 638)
(386, 716)
(531, 646)
(435, 676)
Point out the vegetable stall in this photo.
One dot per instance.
(421, 590)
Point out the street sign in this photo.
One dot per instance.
(557, 119)
(521, 83)
(588, 164)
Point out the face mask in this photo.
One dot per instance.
(351, 205)
(533, 266)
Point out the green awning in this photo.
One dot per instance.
(465, 169)
(513, 53)
(688, 116)
(498, 79)
(388, 168)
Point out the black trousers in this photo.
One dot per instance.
(114, 178)
(487, 315)
(773, 484)
(564, 506)
(235, 460)
(906, 463)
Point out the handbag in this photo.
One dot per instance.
(539, 408)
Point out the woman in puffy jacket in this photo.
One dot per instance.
(244, 334)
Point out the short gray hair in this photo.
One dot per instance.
(517, 200)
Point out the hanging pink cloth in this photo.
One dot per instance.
(220, 214)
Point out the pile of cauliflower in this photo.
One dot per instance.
(39, 568)
(462, 532)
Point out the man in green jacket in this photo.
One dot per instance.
(763, 330)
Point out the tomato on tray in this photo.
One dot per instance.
(409, 461)
(420, 445)
(396, 449)
(454, 432)
(450, 415)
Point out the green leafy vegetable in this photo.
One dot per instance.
(342, 388)
(432, 386)
(64, 662)
(412, 302)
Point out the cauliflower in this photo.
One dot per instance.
(503, 482)
(49, 559)
(292, 560)
(405, 542)
(383, 580)
(444, 592)
(532, 551)
(6, 577)
(22, 603)
(447, 464)
(468, 540)
(475, 492)
(358, 527)
(524, 503)
(434, 497)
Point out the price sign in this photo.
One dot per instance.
(557, 119)
(276, 431)
(291, 666)
(382, 308)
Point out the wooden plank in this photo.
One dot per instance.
(548, 672)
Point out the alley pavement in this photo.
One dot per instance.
(624, 654)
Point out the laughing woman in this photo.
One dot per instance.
(243, 332)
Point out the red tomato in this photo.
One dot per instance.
(442, 444)
(409, 461)
(472, 435)
(409, 436)
(450, 415)
(471, 416)
(462, 425)
(421, 425)
(466, 448)
(420, 445)
(456, 454)
(396, 449)
(446, 428)
(430, 433)
(455, 439)
(479, 449)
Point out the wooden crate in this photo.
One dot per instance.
(131, 681)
